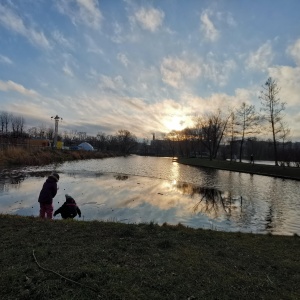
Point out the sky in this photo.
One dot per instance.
(145, 66)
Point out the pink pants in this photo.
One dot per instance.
(46, 209)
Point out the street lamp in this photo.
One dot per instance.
(56, 119)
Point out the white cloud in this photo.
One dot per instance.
(60, 39)
(92, 46)
(288, 79)
(112, 84)
(149, 19)
(262, 58)
(67, 70)
(175, 71)
(12, 86)
(294, 51)
(123, 59)
(5, 60)
(207, 27)
(218, 72)
(227, 18)
(13, 22)
(85, 12)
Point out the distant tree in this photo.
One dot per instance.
(101, 141)
(33, 132)
(283, 135)
(17, 123)
(145, 146)
(5, 118)
(49, 133)
(126, 141)
(171, 138)
(213, 127)
(247, 121)
(232, 132)
(273, 110)
(189, 140)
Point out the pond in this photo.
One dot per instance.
(139, 189)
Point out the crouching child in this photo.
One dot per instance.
(69, 209)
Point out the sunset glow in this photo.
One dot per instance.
(144, 66)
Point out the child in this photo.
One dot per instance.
(47, 194)
(69, 209)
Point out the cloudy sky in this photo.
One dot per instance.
(145, 66)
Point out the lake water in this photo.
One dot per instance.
(139, 189)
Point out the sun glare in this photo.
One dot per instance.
(174, 123)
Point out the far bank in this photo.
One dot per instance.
(259, 169)
(15, 156)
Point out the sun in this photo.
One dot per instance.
(174, 123)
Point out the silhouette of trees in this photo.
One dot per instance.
(272, 108)
(5, 119)
(247, 121)
(212, 129)
(126, 141)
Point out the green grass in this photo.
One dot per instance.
(268, 170)
(146, 261)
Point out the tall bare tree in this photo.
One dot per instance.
(126, 141)
(247, 121)
(101, 141)
(232, 132)
(283, 135)
(213, 127)
(5, 118)
(273, 109)
(17, 123)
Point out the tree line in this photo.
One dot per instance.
(235, 126)
(11, 124)
(209, 133)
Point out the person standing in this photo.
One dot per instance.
(47, 193)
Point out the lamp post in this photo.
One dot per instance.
(56, 119)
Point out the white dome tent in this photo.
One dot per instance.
(86, 146)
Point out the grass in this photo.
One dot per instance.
(16, 156)
(268, 170)
(127, 261)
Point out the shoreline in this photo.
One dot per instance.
(291, 173)
(18, 157)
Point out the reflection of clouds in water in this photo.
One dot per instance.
(135, 199)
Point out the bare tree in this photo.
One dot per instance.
(49, 133)
(5, 118)
(145, 146)
(126, 140)
(247, 121)
(17, 124)
(283, 135)
(232, 132)
(273, 108)
(213, 127)
(101, 141)
(33, 132)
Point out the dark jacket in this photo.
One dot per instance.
(48, 191)
(69, 209)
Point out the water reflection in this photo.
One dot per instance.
(139, 189)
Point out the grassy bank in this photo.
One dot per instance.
(125, 261)
(268, 170)
(22, 157)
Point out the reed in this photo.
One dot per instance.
(16, 156)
